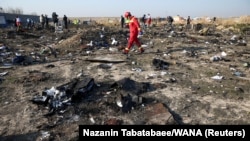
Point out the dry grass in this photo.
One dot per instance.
(238, 24)
(233, 21)
(101, 20)
(219, 21)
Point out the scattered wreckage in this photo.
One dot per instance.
(58, 98)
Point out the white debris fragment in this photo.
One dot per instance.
(45, 134)
(51, 92)
(114, 42)
(223, 54)
(217, 77)
(3, 73)
(163, 73)
(92, 120)
(112, 49)
(88, 52)
(119, 103)
(90, 44)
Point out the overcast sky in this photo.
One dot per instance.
(115, 8)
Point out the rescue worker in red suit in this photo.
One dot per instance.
(134, 30)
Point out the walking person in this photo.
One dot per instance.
(134, 29)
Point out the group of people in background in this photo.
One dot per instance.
(146, 20)
(18, 23)
(127, 20)
(135, 28)
(42, 22)
(56, 20)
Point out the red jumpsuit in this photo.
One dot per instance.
(134, 28)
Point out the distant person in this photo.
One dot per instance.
(134, 29)
(42, 21)
(170, 20)
(143, 20)
(75, 21)
(188, 20)
(122, 20)
(188, 23)
(32, 23)
(214, 19)
(28, 20)
(46, 21)
(65, 21)
(15, 25)
(18, 23)
(148, 20)
(55, 19)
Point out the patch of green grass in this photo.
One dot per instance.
(209, 73)
(243, 28)
(243, 25)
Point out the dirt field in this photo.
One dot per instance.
(183, 77)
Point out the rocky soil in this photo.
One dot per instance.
(183, 77)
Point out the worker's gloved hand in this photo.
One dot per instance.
(140, 32)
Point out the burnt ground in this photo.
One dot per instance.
(175, 81)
